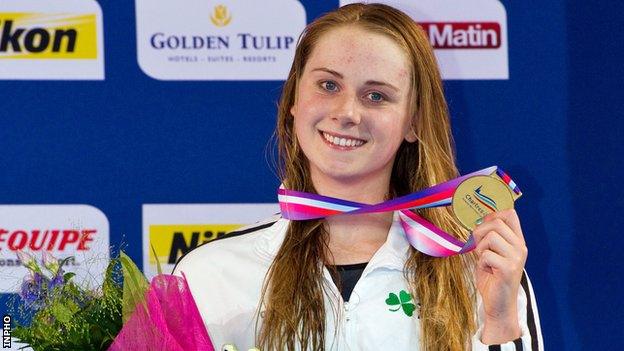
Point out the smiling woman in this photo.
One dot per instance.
(352, 112)
(363, 118)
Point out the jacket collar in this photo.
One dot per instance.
(391, 255)
(271, 239)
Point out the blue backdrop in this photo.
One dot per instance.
(554, 126)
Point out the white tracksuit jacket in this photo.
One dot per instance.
(226, 276)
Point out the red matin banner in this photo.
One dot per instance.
(463, 35)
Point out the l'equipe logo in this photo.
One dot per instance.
(77, 231)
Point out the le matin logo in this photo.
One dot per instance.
(220, 16)
(47, 36)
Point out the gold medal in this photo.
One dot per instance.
(479, 196)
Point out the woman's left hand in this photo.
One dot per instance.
(501, 254)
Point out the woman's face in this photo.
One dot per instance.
(352, 108)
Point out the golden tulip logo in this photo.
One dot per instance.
(220, 16)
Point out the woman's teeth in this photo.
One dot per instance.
(342, 141)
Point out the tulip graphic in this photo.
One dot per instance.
(220, 17)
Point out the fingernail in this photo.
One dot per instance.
(479, 221)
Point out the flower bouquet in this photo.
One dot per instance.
(126, 313)
(60, 314)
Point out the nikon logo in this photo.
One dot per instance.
(32, 36)
(36, 39)
(220, 17)
(174, 241)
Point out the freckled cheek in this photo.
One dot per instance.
(388, 124)
(306, 121)
(310, 110)
(391, 135)
(303, 134)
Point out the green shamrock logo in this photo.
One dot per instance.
(402, 301)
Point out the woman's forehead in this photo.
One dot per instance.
(352, 50)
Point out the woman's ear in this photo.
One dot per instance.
(293, 110)
(411, 135)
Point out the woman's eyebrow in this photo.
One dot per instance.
(383, 84)
(369, 82)
(330, 71)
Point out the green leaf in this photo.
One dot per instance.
(61, 312)
(158, 267)
(392, 299)
(408, 308)
(134, 287)
(405, 296)
(63, 261)
(67, 276)
(111, 289)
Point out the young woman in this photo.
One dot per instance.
(363, 118)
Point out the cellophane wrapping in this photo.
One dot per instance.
(167, 320)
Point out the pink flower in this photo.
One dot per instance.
(24, 257)
(50, 262)
(28, 261)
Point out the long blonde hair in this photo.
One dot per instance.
(444, 286)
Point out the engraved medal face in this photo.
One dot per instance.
(478, 196)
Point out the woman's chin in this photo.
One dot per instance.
(343, 176)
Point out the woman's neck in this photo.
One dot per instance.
(369, 190)
(356, 238)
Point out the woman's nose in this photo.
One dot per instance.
(346, 109)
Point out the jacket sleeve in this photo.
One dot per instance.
(531, 339)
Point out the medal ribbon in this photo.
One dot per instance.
(421, 234)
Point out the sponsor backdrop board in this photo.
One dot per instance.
(225, 41)
(469, 37)
(110, 109)
(171, 230)
(51, 40)
(77, 232)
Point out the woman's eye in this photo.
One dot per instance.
(376, 97)
(329, 85)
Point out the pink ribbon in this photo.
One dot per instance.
(421, 234)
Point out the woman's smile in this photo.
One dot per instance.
(341, 142)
